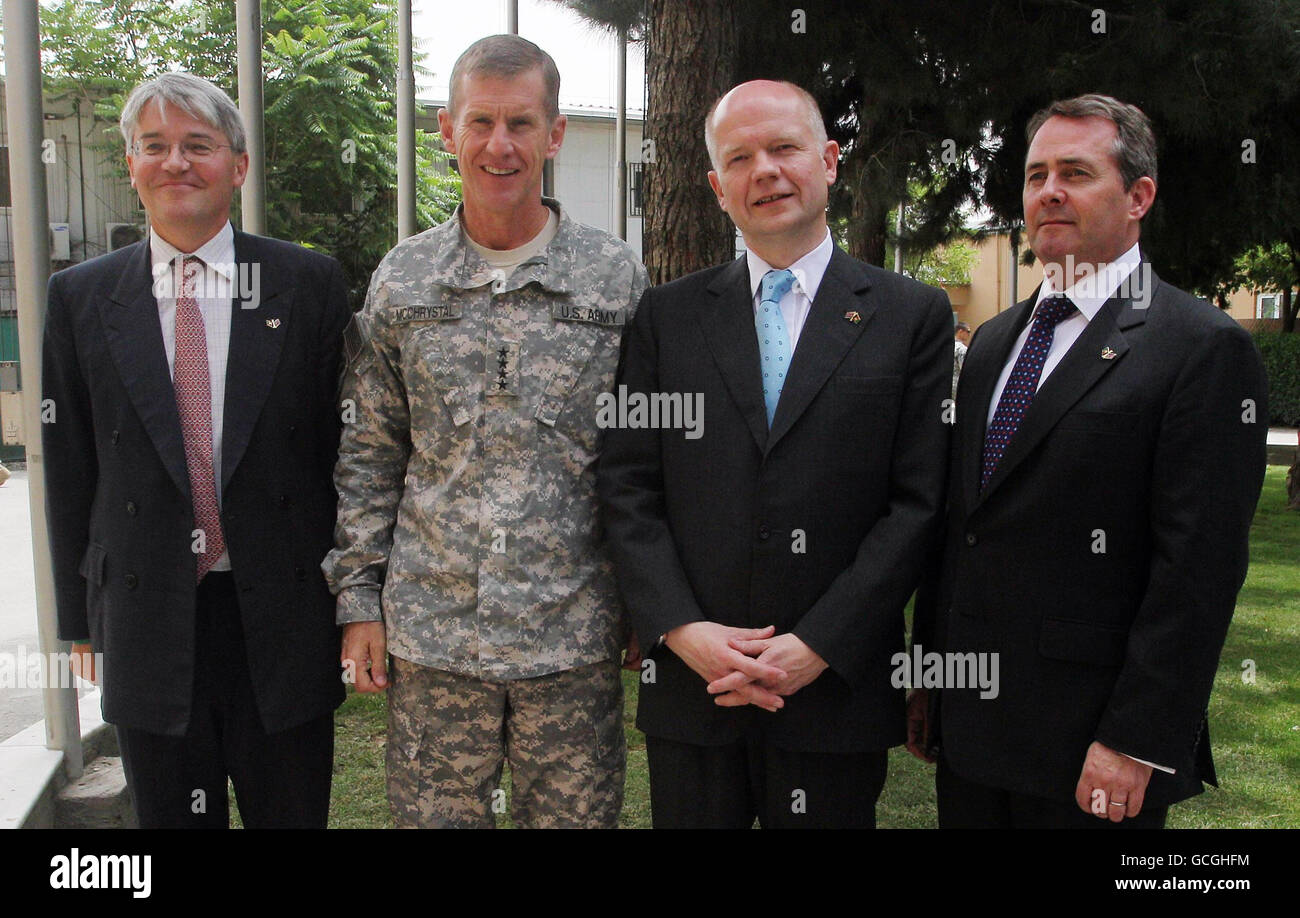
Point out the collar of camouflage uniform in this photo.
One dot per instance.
(458, 265)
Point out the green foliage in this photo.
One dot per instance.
(948, 264)
(329, 94)
(1268, 267)
(1281, 352)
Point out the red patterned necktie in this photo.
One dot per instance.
(1022, 384)
(194, 399)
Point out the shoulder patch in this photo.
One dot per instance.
(357, 351)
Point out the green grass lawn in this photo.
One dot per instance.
(1255, 725)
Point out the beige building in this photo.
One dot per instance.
(998, 281)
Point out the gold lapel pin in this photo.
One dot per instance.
(853, 317)
(1107, 354)
(272, 323)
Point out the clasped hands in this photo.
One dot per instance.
(746, 665)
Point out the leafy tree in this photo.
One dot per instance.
(329, 93)
(938, 93)
(1274, 267)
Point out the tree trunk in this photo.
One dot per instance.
(868, 228)
(690, 61)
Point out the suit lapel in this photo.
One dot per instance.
(257, 331)
(134, 333)
(826, 337)
(728, 326)
(1095, 353)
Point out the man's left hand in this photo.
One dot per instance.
(1121, 784)
(632, 653)
(786, 652)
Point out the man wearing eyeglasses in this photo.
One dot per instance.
(191, 437)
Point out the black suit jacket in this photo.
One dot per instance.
(119, 505)
(1103, 560)
(817, 527)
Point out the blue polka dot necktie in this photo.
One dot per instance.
(1022, 384)
(773, 342)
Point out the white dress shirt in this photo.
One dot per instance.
(214, 288)
(797, 301)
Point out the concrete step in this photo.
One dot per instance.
(99, 799)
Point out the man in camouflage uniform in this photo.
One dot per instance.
(467, 541)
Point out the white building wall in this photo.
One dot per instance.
(585, 176)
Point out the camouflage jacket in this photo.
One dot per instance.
(466, 475)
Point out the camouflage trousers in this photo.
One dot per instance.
(449, 735)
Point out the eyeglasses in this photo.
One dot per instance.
(192, 150)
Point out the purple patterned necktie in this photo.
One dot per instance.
(1022, 384)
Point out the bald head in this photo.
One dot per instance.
(759, 92)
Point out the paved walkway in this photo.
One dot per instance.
(19, 707)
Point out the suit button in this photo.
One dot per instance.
(970, 538)
(131, 581)
(130, 507)
(283, 502)
(300, 573)
(114, 437)
(764, 533)
(293, 429)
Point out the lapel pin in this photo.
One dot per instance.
(853, 317)
(275, 323)
(1107, 354)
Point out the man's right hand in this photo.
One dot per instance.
(703, 647)
(918, 724)
(81, 660)
(365, 655)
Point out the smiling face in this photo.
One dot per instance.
(501, 137)
(187, 202)
(1074, 197)
(772, 170)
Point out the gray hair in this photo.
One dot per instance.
(191, 94)
(507, 56)
(814, 113)
(1135, 142)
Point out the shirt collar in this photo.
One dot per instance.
(1092, 290)
(217, 254)
(808, 270)
(456, 264)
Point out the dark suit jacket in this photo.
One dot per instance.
(1103, 560)
(710, 528)
(119, 506)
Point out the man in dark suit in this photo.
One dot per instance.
(1108, 456)
(767, 556)
(191, 441)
